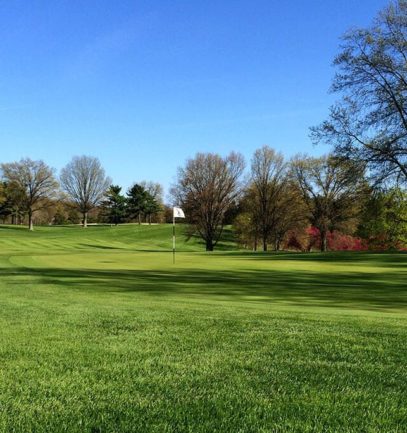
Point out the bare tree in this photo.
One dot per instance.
(267, 178)
(155, 189)
(206, 188)
(84, 180)
(369, 122)
(331, 189)
(34, 180)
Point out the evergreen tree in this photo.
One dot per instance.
(114, 207)
(151, 206)
(136, 202)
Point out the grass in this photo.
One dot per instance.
(101, 333)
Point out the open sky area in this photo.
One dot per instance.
(143, 85)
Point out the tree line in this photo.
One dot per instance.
(280, 200)
(359, 189)
(29, 187)
(273, 206)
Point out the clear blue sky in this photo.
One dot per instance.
(143, 85)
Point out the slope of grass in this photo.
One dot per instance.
(101, 333)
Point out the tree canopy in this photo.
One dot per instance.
(369, 122)
(206, 188)
(86, 183)
(32, 182)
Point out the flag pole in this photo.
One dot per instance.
(173, 237)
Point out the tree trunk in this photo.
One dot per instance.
(324, 242)
(139, 218)
(85, 220)
(30, 220)
(264, 244)
(209, 245)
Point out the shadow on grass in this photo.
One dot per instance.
(390, 259)
(378, 291)
(227, 242)
(101, 247)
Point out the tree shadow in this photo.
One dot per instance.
(355, 290)
(101, 247)
(397, 260)
(227, 242)
(13, 227)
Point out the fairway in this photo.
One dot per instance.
(100, 332)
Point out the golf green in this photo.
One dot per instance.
(100, 332)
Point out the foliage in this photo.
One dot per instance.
(12, 202)
(73, 217)
(332, 189)
(384, 220)
(246, 230)
(151, 207)
(31, 184)
(137, 198)
(114, 206)
(336, 241)
(59, 217)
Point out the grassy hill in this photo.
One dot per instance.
(100, 332)
(127, 236)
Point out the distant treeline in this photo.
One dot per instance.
(30, 193)
(304, 203)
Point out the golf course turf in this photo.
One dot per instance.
(100, 332)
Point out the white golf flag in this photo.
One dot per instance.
(178, 212)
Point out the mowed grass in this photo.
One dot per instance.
(100, 332)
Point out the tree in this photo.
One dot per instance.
(114, 206)
(206, 188)
(267, 180)
(136, 201)
(4, 204)
(154, 198)
(369, 122)
(247, 222)
(154, 189)
(34, 181)
(331, 189)
(59, 217)
(84, 180)
(383, 222)
(12, 203)
(151, 206)
(290, 213)
(287, 213)
(73, 216)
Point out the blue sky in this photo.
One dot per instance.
(143, 85)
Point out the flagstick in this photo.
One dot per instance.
(173, 238)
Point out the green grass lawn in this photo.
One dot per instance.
(100, 332)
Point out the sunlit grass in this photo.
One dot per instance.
(101, 333)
